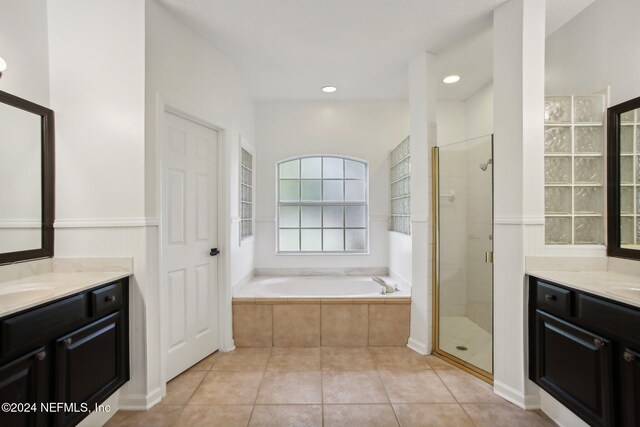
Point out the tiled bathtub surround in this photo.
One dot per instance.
(383, 386)
(327, 322)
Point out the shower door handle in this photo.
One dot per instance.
(488, 257)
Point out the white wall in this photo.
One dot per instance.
(23, 28)
(97, 93)
(190, 74)
(452, 125)
(596, 49)
(365, 130)
(479, 112)
(519, 27)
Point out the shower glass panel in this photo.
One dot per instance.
(463, 287)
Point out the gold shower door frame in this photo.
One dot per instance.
(435, 250)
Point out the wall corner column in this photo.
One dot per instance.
(519, 41)
(423, 83)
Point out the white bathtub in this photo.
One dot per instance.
(315, 287)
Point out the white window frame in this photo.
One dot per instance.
(300, 203)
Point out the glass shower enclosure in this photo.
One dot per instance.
(463, 249)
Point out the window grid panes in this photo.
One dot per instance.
(400, 178)
(574, 169)
(246, 194)
(322, 205)
(630, 178)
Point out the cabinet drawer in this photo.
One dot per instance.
(34, 327)
(609, 317)
(106, 299)
(553, 299)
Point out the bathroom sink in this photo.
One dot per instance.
(625, 291)
(24, 294)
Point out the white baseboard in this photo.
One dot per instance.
(559, 413)
(98, 419)
(140, 402)
(528, 402)
(417, 346)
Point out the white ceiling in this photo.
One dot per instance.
(289, 49)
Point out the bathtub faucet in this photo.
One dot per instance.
(387, 288)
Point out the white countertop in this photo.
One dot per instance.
(609, 284)
(49, 287)
(30, 290)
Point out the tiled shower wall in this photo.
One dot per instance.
(453, 232)
(479, 226)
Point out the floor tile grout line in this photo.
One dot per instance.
(467, 414)
(389, 397)
(321, 390)
(253, 407)
(447, 387)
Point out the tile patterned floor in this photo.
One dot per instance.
(460, 330)
(351, 387)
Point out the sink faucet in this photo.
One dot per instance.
(387, 288)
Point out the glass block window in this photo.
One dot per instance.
(630, 178)
(574, 169)
(246, 194)
(322, 205)
(399, 176)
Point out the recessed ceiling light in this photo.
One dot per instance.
(451, 79)
(329, 89)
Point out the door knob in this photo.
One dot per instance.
(629, 357)
(214, 252)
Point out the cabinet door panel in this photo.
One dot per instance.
(25, 381)
(575, 366)
(90, 364)
(631, 387)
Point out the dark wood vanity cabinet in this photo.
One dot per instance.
(581, 353)
(63, 358)
(25, 381)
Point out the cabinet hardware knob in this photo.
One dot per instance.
(110, 298)
(67, 341)
(628, 357)
(550, 297)
(41, 355)
(598, 342)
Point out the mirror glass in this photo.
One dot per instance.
(623, 188)
(26, 180)
(629, 129)
(21, 178)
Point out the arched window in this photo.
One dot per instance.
(322, 205)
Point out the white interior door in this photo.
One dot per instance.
(189, 232)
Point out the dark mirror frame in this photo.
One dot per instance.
(614, 248)
(47, 179)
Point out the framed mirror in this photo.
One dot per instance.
(623, 180)
(26, 180)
